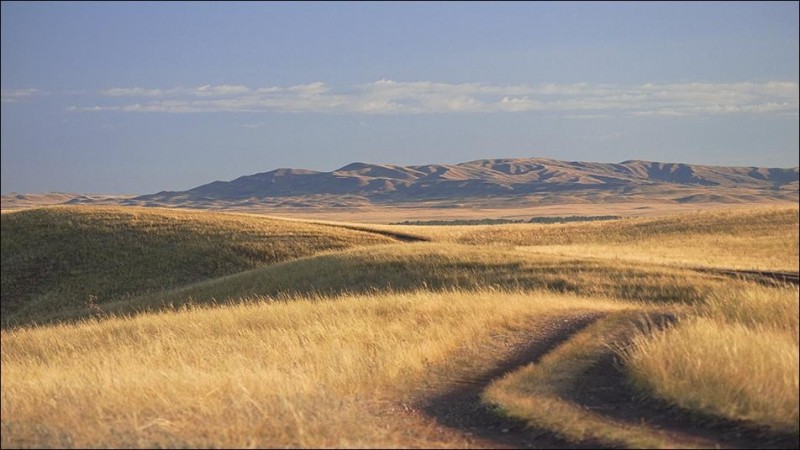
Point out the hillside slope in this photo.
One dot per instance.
(62, 257)
(430, 266)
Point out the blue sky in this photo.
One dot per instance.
(143, 97)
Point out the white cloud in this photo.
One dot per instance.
(221, 90)
(251, 125)
(601, 137)
(577, 100)
(132, 92)
(587, 116)
(15, 95)
(207, 90)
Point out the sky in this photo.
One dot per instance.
(136, 98)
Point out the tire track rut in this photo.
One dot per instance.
(461, 408)
(769, 278)
(603, 390)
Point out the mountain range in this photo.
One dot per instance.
(485, 183)
(485, 179)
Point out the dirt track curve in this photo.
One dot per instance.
(603, 390)
(760, 276)
(402, 237)
(461, 408)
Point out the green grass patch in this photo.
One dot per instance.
(68, 257)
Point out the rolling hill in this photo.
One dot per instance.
(150, 324)
(64, 257)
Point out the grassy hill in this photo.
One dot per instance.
(401, 268)
(219, 330)
(117, 260)
(66, 257)
(438, 267)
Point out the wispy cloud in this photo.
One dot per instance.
(15, 95)
(601, 137)
(132, 92)
(578, 100)
(250, 125)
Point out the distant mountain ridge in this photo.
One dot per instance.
(484, 178)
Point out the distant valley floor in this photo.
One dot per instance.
(366, 212)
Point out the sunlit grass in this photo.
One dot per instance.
(759, 238)
(736, 358)
(306, 372)
(206, 359)
(768, 251)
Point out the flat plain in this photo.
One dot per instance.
(152, 327)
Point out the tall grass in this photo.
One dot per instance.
(720, 360)
(736, 358)
(310, 372)
(361, 328)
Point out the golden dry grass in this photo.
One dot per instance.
(734, 356)
(308, 372)
(356, 329)
(737, 358)
(761, 238)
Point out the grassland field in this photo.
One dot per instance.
(149, 327)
